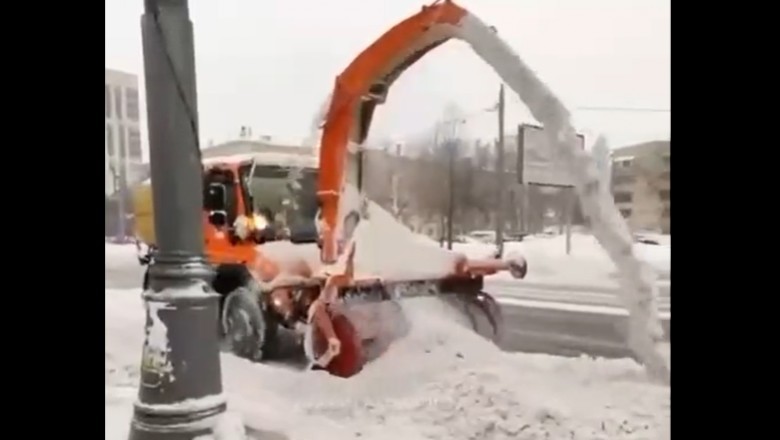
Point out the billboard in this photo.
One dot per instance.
(536, 164)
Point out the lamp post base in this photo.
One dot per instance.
(224, 426)
(180, 394)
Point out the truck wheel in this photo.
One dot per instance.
(246, 328)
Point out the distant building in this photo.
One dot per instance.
(641, 185)
(249, 146)
(123, 157)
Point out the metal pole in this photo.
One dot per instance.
(122, 181)
(524, 217)
(180, 396)
(115, 189)
(521, 178)
(500, 167)
(450, 145)
(435, 151)
(562, 206)
(569, 208)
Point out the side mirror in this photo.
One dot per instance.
(216, 197)
(218, 218)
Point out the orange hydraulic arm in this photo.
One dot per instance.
(360, 88)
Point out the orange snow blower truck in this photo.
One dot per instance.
(304, 275)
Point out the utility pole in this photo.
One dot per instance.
(121, 202)
(450, 145)
(500, 166)
(119, 192)
(569, 200)
(521, 180)
(180, 395)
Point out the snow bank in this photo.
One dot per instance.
(120, 256)
(587, 265)
(440, 381)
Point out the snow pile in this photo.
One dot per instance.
(385, 248)
(388, 248)
(444, 381)
(439, 381)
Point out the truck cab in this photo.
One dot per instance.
(247, 199)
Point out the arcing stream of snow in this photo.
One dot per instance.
(438, 381)
(638, 279)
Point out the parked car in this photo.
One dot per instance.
(483, 236)
(514, 236)
(465, 239)
(646, 238)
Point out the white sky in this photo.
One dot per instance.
(270, 64)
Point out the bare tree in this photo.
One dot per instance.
(482, 156)
(429, 178)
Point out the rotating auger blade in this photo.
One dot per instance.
(348, 360)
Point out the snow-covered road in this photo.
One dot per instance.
(440, 381)
(513, 292)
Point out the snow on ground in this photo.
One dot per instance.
(120, 256)
(439, 381)
(588, 264)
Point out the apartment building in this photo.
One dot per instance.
(641, 185)
(123, 157)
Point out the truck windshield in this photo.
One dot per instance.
(289, 194)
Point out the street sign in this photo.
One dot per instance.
(536, 163)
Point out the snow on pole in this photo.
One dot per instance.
(155, 360)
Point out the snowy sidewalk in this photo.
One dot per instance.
(439, 381)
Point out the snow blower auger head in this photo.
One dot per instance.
(331, 341)
(337, 344)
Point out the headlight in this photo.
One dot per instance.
(260, 221)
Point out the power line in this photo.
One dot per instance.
(604, 108)
(624, 109)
